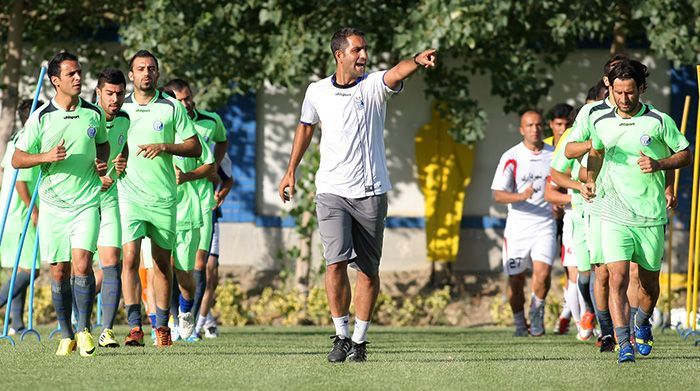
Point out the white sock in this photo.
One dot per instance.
(360, 333)
(342, 326)
(519, 319)
(535, 302)
(572, 298)
(565, 310)
(200, 324)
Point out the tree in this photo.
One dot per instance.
(37, 29)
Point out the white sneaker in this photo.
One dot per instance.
(211, 332)
(175, 333)
(186, 324)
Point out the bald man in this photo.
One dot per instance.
(529, 239)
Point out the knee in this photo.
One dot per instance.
(618, 280)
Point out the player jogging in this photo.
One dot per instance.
(67, 138)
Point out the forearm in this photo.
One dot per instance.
(670, 179)
(102, 151)
(506, 197)
(679, 159)
(302, 138)
(190, 148)
(595, 162)
(21, 159)
(200, 172)
(23, 192)
(554, 196)
(575, 149)
(394, 76)
(563, 180)
(219, 151)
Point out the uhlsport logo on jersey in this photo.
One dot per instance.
(158, 126)
(91, 131)
(645, 140)
(120, 140)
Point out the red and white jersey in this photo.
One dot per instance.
(518, 168)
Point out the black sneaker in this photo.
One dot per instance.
(341, 347)
(358, 353)
(607, 344)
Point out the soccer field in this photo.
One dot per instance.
(399, 358)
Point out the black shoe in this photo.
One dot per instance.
(341, 347)
(607, 344)
(358, 353)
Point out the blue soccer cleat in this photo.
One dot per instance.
(644, 340)
(626, 354)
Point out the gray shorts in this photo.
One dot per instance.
(352, 229)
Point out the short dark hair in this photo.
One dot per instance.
(111, 76)
(629, 69)
(54, 68)
(340, 38)
(177, 85)
(572, 115)
(599, 89)
(24, 108)
(560, 110)
(616, 58)
(167, 90)
(140, 54)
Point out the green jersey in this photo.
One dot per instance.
(152, 182)
(117, 130)
(630, 196)
(189, 201)
(212, 130)
(73, 182)
(18, 209)
(562, 164)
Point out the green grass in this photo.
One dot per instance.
(271, 358)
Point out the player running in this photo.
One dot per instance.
(147, 191)
(211, 128)
(529, 240)
(19, 204)
(67, 138)
(632, 145)
(111, 91)
(352, 180)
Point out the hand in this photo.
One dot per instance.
(426, 58)
(647, 164)
(180, 177)
(35, 216)
(119, 164)
(527, 193)
(588, 191)
(150, 151)
(671, 200)
(107, 182)
(220, 196)
(287, 182)
(558, 211)
(57, 154)
(101, 167)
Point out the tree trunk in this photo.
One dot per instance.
(10, 75)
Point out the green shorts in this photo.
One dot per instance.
(61, 230)
(595, 250)
(186, 249)
(205, 232)
(10, 244)
(578, 220)
(641, 245)
(110, 226)
(158, 223)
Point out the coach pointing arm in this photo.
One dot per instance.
(394, 76)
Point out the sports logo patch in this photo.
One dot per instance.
(158, 126)
(645, 140)
(120, 140)
(179, 157)
(359, 103)
(91, 131)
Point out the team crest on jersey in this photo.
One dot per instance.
(645, 140)
(179, 157)
(158, 126)
(91, 131)
(359, 103)
(206, 138)
(120, 140)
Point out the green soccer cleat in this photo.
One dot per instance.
(86, 344)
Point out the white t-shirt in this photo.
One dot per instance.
(353, 160)
(518, 168)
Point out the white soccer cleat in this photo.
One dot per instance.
(211, 332)
(186, 326)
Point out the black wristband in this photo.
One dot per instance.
(414, 59)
